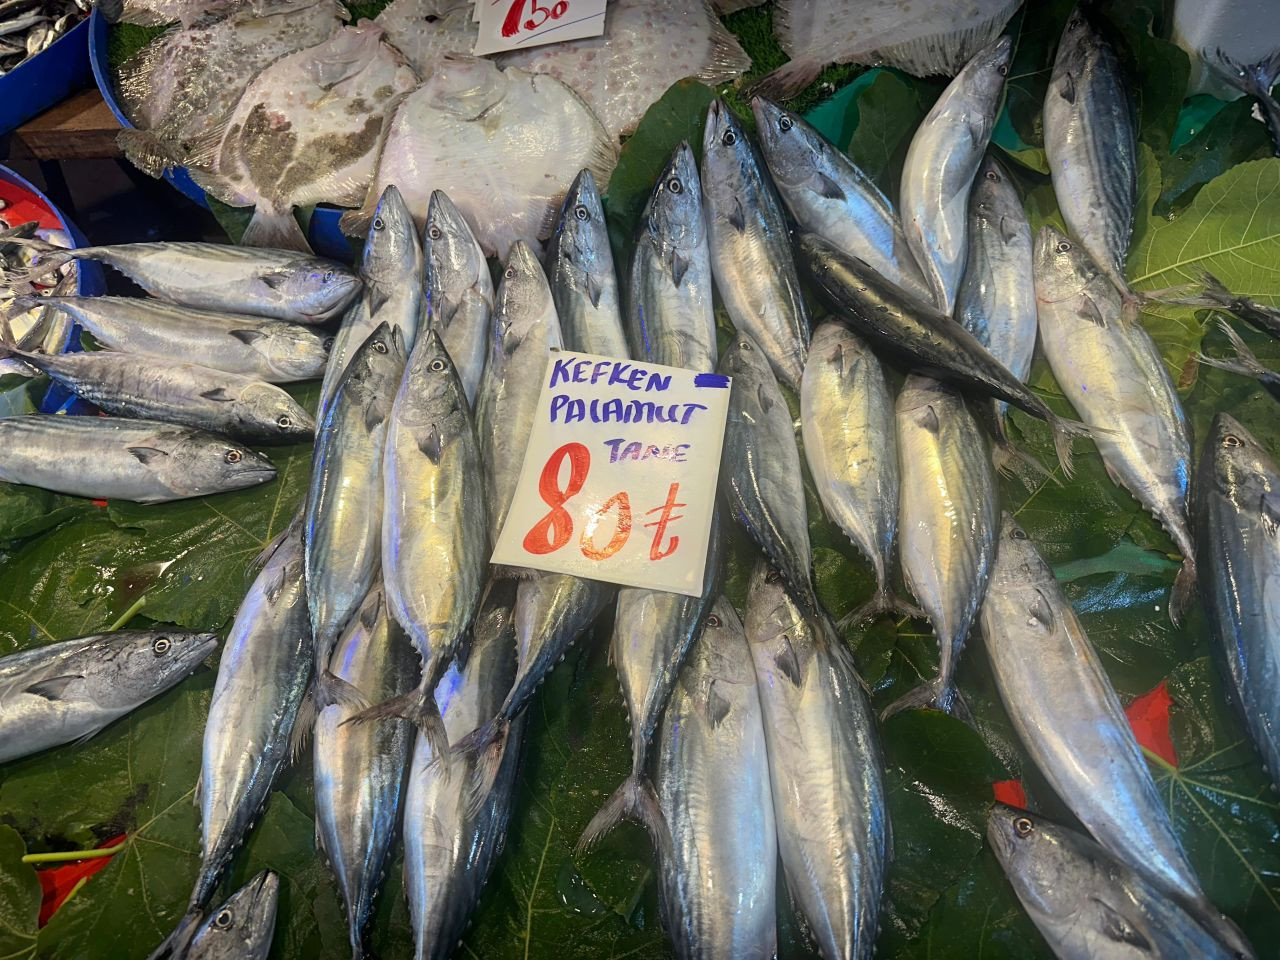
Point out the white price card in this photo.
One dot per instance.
(619, 478)
(519, 24)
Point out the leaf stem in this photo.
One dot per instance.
(62, 856)
(1159, 761)
(128, 614)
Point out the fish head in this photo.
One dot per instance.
(319, 288)
(453, 259)
(193, 462)
(391, 251)
(465, 87)
(744, 361)
(524, 297)
(261, 403)
(791, 147)
(773, 617)
(376, 367)
(984, 74)
(243, 926)
(1047, 865)
(726, 151)
(1063, 270)
(294, 351)
(721, 652)
(673, 215)
(433, 386)
(926, 402)
(1234, 463)
(995, 201)
(581, 239)
(132, 666)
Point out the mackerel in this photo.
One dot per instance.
(243, 927)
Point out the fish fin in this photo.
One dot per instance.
(219, 395)
(278, 231)
(1116, 928)
(483, 749)
(1246, 363)
(883, 602)
(52, 688)
(1063, 432)
(432, 445)
(417, 706)
(247, 336)
(1092, 314)
(147, 454)
(725, 58)
(766, 401)
(1184, 585)
(717, 706)
(636, 800)
(174, 946)
(1068, 88)
(788, 663)
(275, 280)
(944, 54)
(594, 290)
(369, 615)
(304, 721)
(199, 789)
(151, 154)
(737, 219)
(1041, 611)
(1270, 513)
(933, 694)
(1007, 459)
(330, 690)
(373, 415)
(355, 223)
(678, 266)
(1252, 79)
(829, 188)
(49, 257)
(786, 81)
(928, 420)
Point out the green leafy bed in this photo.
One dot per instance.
(1210, 199)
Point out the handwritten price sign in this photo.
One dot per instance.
(517, 24)
(620, 473)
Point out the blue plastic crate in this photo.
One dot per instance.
(45, 79)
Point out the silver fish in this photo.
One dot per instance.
(718, 884)
(270, 350)
(277, 284)
(1071, 722)
(751, 247)
(580, 270)
(451, 844)
(243, 927)
(997, 297)
(457, 295)
(1113, 374)
(525, 328)
(669, 309)
(943, 159)
(69, 690)
(948, 523)
(1237, 513)
(1089, 133)
(390, 268)
(359, 767)
(828, 195)
(825, 769)
(760, 468)
(343, 527)
(114, 458)
(851, 445)
(153, 388)
(1085, 903)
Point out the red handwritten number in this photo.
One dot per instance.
(623, 504)
(538, 15)
(554, 530)
(511, 23)
(656, 550)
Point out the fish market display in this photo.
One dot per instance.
(30, 324)
(160, 13)
(152, 388)
(669, 306)
(277, 284)
(751, 247)
(924, 38)
(947, 523)
(503, 144)
(713, 790)
(242, 928)
(359, 767)
(457, 294)
(1113, 374)
(179, 87)
(944, 156)
(1087, 904)
(824, 767)
(115, 458)
(426, 30)
(1089, 142)
(69, 690)
(304, 131)
(851, 445)
(580, 271)
(29, 27)
(647, 46)
(1236, 520)
(269, 350)
(829, 196)
(760, 467)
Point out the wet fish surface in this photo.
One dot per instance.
(70, 689)
(116, 458)
(751, 246)
(243, 927)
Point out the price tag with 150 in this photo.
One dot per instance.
(519, 24)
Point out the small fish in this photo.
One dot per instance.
(1253, 80)
(580, 270)
(69, 690)
(751, 247)
(1089, 143)
(152, 388)
(941, 164)
(1087, 904)
(718, 886)
(1245, 364)
(457, 294)
(1113, 374)
(243, 927)
(825, 769)
(1237, 516)
(948, 524)
(669, 300)
(830, 196)
(277, 284)
(115, 458)
(760, 468)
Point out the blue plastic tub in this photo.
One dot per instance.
(324, 235)
(45, 79)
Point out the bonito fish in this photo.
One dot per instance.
(242, 928)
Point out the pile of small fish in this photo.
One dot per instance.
(377, 625)
(29, 27)
(38, 329)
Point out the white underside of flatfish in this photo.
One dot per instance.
(425, 30)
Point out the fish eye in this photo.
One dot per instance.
(233, 456)
(1064, 246)
(377, 223)
(509, 273)
(729, 138)
(437, 364)
(1023, 826)
(713, 621)
(1018, 533)
(328, 343)
(675, 186)
(379, 347)
(284, 420)
(582, 213)
(328, 276)
(224, 919)
(993, 176)
(434, 232)
(160, 646)
(785, 124)
(746, 345)
(1003, 70)
(1231, 440)
(772, 576)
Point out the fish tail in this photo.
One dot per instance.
(151, 154)
(49, 257)
(884, 602)
(1184, 586)
(23, 366)
(304, 722)
(175, 945)
(635, 799)
(1011, 462)
(484, 749)
(1063, 432)
(331, 690)
(786, 81)
(275, 231)
(1246, 362)
(1253, 79)
(938, 694)
(418, 706)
